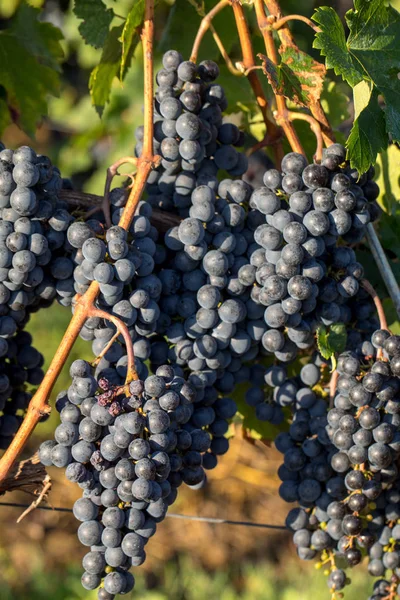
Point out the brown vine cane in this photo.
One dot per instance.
(39, 405)
(205, 25)
(286, 38)
(273, 132)
(283, 117)
(379, 309)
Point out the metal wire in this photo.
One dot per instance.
(384, 267)
(172, 515)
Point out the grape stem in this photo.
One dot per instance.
(131, 373)
(286, 39)
(39, 405)
(161, 219)
(35, 503)
(332, 387)
(106, 348)
(379, 309)
(281, 114)
(279, 23)
(205, 25)
(315, 128)
(112, 171)
(273, 136)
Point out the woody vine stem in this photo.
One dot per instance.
(278, 122)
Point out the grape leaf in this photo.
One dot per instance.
(331, 342)
(130, 35)
(335, 102)
(337, 337)
(371, 52)
(283, 81)
(368, 135)
(374, 42)
(41, 39)
(96, 21)
(323, 343)
(103, 74)
(29, 56)
(331, 41)
(5, 117)
(309, 72)
(182, 16)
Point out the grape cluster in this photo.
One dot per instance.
(33, 225)
(213, 321)
(340, 465)
(272, 389)
(191, 137)
(168, 291)
(302, 276)
(34, 264)
(276, 390)
(20, 367)
(129, 447)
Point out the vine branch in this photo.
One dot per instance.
(273, 132)
(39, 405)
(286, 39)
(282, 115)
(379, 309)
(315, 128)
(279, 23)
(205, 25)
(123, 330)
(161, 219)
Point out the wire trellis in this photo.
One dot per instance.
(384, 267)
(211, 520)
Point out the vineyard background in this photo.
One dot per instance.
(187, 560)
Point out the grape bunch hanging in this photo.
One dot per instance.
(245, 280)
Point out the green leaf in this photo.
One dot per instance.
(283, 81)
(182, 24)
(29, 55)
(102, 76)
(331, 41)
(5, 117)
(371, 53)
(374, 42)
(368, 135)
(41, 39)
(96, 21)
(331, 342)
(130, 34)
(337, 337)
(323, 343)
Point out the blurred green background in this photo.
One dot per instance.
(40, 557)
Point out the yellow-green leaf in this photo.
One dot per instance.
(130, 34)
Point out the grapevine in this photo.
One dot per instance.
(193, 278)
